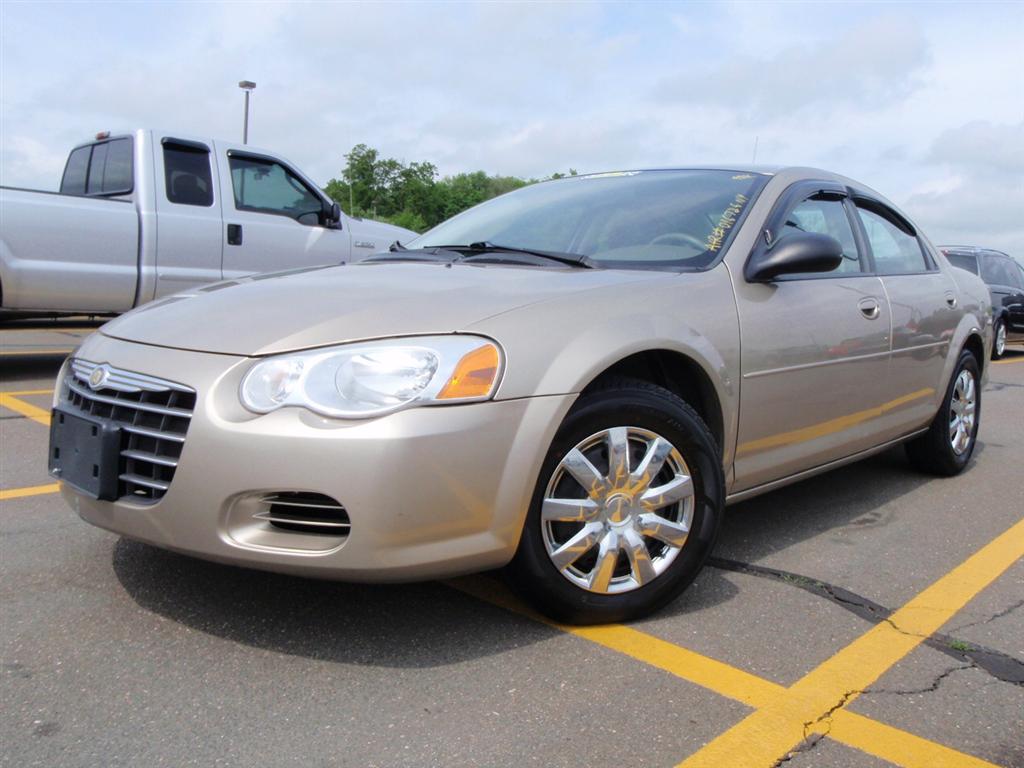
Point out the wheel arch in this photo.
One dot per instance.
(676, 372)
(976, 346)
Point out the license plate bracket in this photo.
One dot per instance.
(85, 452)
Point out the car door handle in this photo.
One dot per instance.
(234, 234)
(951, 300)
(870, 308)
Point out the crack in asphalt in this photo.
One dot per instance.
(931, 688)
(809, 743)
(1001, 666)
(993, 617)
(813, 734)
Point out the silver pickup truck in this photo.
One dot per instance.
(145, 214)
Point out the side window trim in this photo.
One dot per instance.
(867, 258)
(231, 153)
(881, 210)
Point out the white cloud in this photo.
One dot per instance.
(884, 94)
(867, 66)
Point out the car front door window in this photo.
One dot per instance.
(826, 216)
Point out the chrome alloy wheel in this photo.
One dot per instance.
(1000, 339)
(617, 510)
(962, 412)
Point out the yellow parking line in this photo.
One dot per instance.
(23, 392)
(19, 353)
(35, 490)
(53, 329)
(1008, 362)
(897, 746)
(885, 741)
(33, 412)
(772, 731)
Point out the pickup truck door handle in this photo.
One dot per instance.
(234, 234)
(870, 308)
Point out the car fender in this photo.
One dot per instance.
(559, 346)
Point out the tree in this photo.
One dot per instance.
(410, 195)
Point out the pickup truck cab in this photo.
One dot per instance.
(145, 214)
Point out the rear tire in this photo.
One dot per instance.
(999, 339)
(626, 509)
(946, 448)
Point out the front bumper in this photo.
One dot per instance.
(430, 492)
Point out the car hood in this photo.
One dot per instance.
(283, 312)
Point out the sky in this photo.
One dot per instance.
(924, 102)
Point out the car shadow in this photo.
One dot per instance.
(394, 625)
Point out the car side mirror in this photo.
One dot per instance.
(793, 253)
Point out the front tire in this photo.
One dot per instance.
(947, 446)
(626, 509)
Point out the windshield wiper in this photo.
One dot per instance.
(484, 247)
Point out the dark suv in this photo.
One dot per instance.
(1005, 278)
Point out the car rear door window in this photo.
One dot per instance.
(1017, 273)
(826, 215)
(963, 261)
(265, 186)
(187, 176)
(997, 270)
(894, 245)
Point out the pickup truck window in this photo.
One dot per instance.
(187, 176)
(110, 168)
(265, 186)
(104, 168)
(76, 171)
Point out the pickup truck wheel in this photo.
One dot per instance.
(949, 442)
(999, 343)
(626, 509)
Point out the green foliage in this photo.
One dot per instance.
(411, 195)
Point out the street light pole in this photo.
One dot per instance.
(247, 86)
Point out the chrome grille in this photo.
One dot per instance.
(153, 415)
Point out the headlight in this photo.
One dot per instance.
(373, 378)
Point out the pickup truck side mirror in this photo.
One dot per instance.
(793, 253)
(332, 212)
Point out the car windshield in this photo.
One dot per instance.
(634, 219)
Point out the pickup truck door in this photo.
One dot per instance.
(188, 205)
(274, 218)
(925, 315)
(814, 351)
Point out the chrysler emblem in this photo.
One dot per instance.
(98, 377)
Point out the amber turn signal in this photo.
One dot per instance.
(474, 375)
